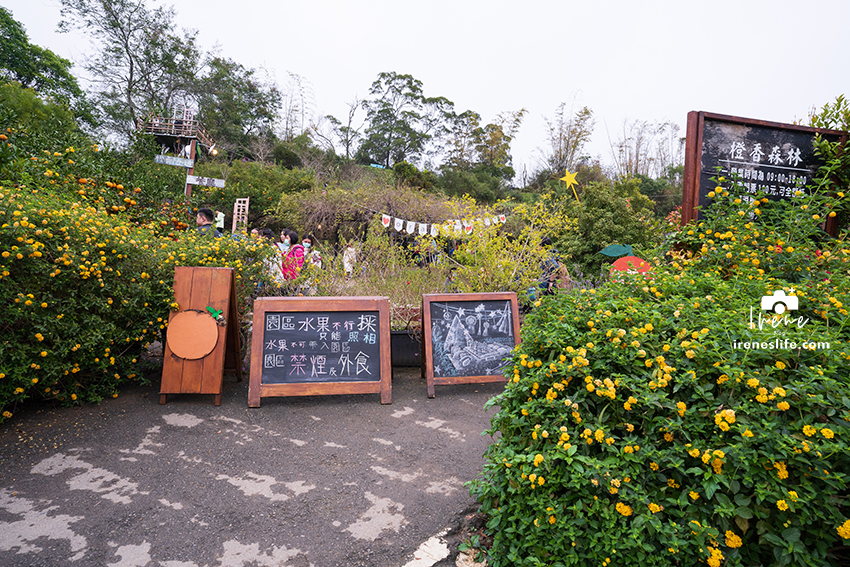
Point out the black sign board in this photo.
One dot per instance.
(777, 159)
(468, 337)
(314, 346)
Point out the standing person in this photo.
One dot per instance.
(549, 268)
(348, 259)
(293, 259)
(205, 222)
(219, 221)
(312, 255)
(285, 244)
(272, 264)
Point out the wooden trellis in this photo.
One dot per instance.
(240, 215)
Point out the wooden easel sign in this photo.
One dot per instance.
(203, 336)
(468, 337)
(320, 346)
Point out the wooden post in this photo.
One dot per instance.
(191, 171)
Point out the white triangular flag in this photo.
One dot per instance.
(385, 220)
(398, 224)
(486, 222)
(411, 226)
(435, 230)
(423, 228)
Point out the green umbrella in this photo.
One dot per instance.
(615, 250)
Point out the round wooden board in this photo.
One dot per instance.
(192, 335)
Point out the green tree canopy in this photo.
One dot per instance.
(144, 62)
(37, 68)
(236, 106)
(401, 120)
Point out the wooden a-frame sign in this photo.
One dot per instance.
(198, 350)
(467, 337)
(314, 346)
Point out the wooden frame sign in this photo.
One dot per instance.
(778, 159)
(468, 337)
(320, 346)
(202, 340)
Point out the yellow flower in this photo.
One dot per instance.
(693, 495)
(843, 529)
(827, 432)
(782, 505)
(780, 365)
(732, 539)
(623, 509)
(784, 406)
(809, 430)
(8, 414)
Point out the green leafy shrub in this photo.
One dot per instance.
(669, 420)
(85, 284)
(607, 214)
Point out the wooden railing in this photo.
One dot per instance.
(178, 127)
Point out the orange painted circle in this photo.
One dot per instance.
(192, 335)
(631, 264)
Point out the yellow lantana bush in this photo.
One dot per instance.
(84, 292)
(672, 418)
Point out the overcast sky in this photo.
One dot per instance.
(626, 60)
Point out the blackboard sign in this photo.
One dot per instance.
(468, 337)
(315, 346)
(777, 159)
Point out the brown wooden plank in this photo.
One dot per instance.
(233, 350)
(319, 389)
(172, 366)
(218, 297)
(193, 370)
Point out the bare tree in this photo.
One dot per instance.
(298, 104)
(347, 134)
(568, 135)
(261, 147)
(647, 148)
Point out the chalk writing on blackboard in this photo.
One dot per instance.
(779, 163)
(471, 338)
(777, 160)
(321, 347)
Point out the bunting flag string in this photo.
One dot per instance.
(451, 227)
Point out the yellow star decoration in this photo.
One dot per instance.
(570, 180)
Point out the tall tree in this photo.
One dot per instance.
(35, 67)
(646, 148)
(237, 106)
(143, 62)
(347, 134)
(568, 135)
(461, 143)
(400, 120)
(298, 102)
(494, 144)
